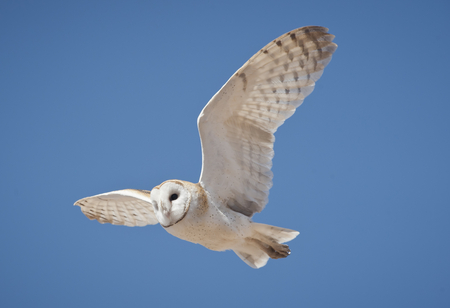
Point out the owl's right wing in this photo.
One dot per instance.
(237, 125)
(129, 207)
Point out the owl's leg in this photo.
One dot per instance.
(273, 249)
(270, 239)
(264, 242)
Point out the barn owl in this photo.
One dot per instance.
(236, 130)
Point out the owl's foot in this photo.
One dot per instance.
(281, 251)
(265, 242)
(273, 249)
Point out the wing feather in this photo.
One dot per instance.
(129, 207)
(237, 125)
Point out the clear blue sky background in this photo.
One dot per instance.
(104, 95)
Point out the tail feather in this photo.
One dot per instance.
(252, 255)
(281, 235)
(265, 242)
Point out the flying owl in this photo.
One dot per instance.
(236, 130)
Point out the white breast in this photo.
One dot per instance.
(206, 225)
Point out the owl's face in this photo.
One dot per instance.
(170, 202)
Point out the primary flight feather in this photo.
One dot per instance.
(236, 130)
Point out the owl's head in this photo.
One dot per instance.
(170, 201)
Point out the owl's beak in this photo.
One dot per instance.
(166, 213)
(165, 218)
(165, 209)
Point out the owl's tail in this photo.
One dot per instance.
(264, 243)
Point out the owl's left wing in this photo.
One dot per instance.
(129, 207)
(237, 125)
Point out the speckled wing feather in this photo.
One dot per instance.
(237, 125)
(129, 207)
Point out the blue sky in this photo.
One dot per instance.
(104, 95)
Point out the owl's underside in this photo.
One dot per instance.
(236, 130)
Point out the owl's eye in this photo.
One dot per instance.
(173, 197)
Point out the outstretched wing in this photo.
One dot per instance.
(129, 207)
(237, 125)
